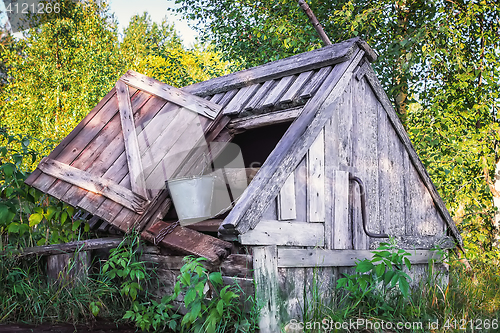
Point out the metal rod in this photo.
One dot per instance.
(315, 22)
(363, 208)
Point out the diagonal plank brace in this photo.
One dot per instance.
(98, 185)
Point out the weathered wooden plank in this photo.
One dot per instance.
(286, 200)
(217, 97)
(290, 150)
(64, 143)
(278, 90)
(130, 138)
(325, 56)
(171, 94)
(190, 241)
(271, 212)
(419, 242)
(331, 164)
(228, 96)
(239, 100)
(391, 113)
(315, 82)
(99, 154)
(94, 184)
(316, 179)
(265, 263)
(258, 98)
(291, 286)
(284, 233)
(71, 247)
(261, 120)
(342, 228)
(300, 175)
(290, 95)
(343, 117)
(337, 258)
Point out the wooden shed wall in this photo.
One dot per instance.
(360, 139)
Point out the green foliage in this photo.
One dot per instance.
(211, 307)
(378, 283)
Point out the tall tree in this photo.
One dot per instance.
(156, 50)
(437, 62)
(59, 71)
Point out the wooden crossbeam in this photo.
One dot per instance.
(172, 94)
(130, 138)
(98, 185)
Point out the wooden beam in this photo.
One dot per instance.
(130, 138)
(266, 119)
(342, 230)
(285, 233)
(71, 247)
(316, 179)
(98, 185)
(340, 258)
(419, 242)
(287, 209)
(326, 56)
(189, 241)
(172, 94)
(417, 163)
(290, 150)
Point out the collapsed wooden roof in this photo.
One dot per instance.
(115, 162)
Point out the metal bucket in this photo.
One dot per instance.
(192, 198)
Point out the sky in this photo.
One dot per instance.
(157, 9)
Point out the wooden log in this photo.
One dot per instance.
(178, 96)
(285, 233)
(265, 263)
(189, 241)
(290, 150)
(338, 258)
(318, 58)
(85, 245)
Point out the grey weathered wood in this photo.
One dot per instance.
(130, 137)
(342, 229)
(370, 54)
(256, 101)
(391, 113)
(69, 268)
(279, 89)
(265, 264)
(300, 175)
(266, 119)
(85, 245)
(94, 184)
(286, 200)
(228, 96)
(418, 242)
(292, 284)
(290, 150)
(285, 233)
(331, 164)
(171, 94)
(217, 97)
(325, 56)
(291, 94)
(315, 82)
(340, 258)
(316, 179)
(239, 100)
